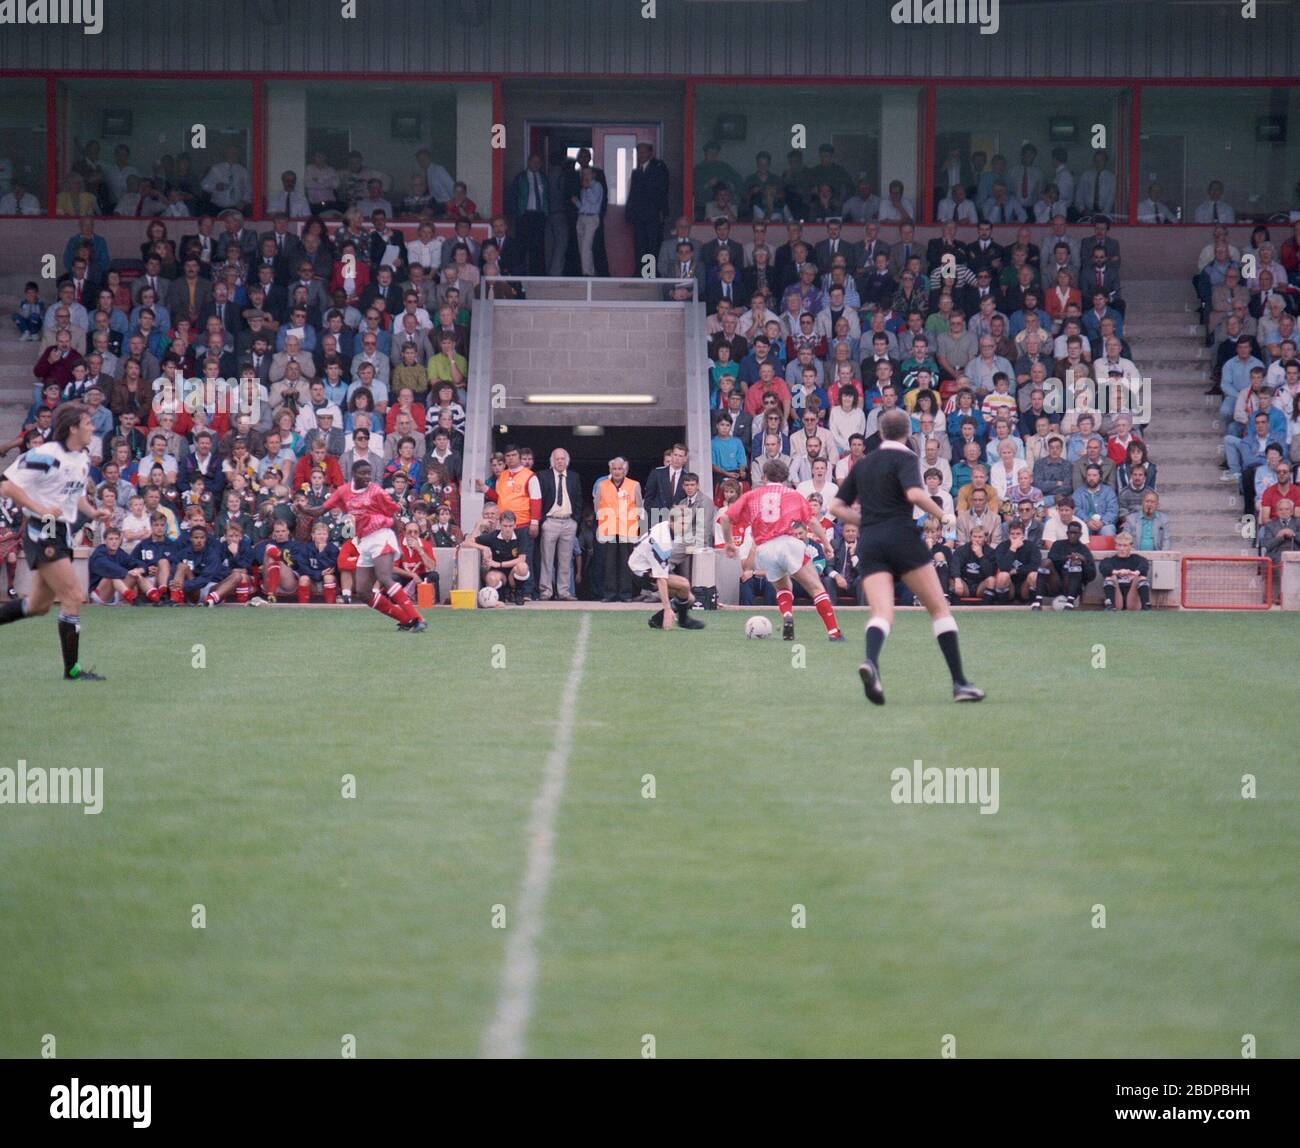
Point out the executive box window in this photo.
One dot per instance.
(1024, 154)
(417, 140)
(22, 147)
(143, 148)
(1244, 140)
(760, 151)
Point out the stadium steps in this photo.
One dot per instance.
(1168, 346)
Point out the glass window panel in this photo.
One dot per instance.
(22, 147)
(1246, 139)
(981, 137)
(872, 131)
(136, 142)
(416, 139)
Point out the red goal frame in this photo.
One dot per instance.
(1255, 561)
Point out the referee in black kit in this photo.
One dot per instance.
(886, 485)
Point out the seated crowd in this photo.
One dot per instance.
(172, 188)
(1011, 360)
(1250, 307)
(240, 381)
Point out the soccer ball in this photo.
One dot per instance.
(1058, 603)
(488, 597)
(758, 627)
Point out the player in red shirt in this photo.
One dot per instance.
(372, 510)
(771, 511)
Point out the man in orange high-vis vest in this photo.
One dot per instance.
(618, 526)
(517, 490)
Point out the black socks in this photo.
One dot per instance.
(69, 640)
(13, 611)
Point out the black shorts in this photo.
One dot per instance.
(894, 547)
(42, 551)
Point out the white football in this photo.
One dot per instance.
(1058, 603)
(758, 627)
(488, 597)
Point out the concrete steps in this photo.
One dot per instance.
(1168, 346)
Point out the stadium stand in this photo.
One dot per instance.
(793, 307)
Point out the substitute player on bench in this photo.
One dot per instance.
(886, 485)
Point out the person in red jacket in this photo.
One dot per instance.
(317, 457)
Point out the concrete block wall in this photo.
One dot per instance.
(539, 349)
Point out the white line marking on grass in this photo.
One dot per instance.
(504, 1038)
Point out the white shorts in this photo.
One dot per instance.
(780, 558)
(644, 562)
(374, 544)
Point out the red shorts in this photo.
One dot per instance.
(348, 556)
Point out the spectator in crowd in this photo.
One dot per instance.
(1213, 209)
(646, 208)
(1095, 191)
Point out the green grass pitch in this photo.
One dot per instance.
(1119, 786)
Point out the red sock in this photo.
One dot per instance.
(272, 572)
(154, 594)
(402, 603)
(785, 602)
(304, 591)
(213, 598)
(379, 601)
(243, 592)
(129, 596)
(178, 596)
(331, 593)
(827, 610)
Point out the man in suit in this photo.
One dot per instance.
(664, 486)
(317, 296)
(984, 249)
(243, 239)
(842, 574)
(668, 253)
(727, 286)
(785, 254)
(268, 255)
(188, 295)
(287, 245)
(562, 504)
(152, 277)
(835, 244)
(221, 306)
(529, 202)
(742, 422)
(382, 238)
(872, 245)
(203, 242)
(904, 249)
(683, 264)
(1101, 275)
(945, 243)
(647, 202)
(722, 239)
(258, 357)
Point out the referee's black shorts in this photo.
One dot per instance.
(894, 547)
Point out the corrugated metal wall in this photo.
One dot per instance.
(1058, 39)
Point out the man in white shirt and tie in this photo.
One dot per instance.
(1153, 210)
(1095, 194)
(1062, 176)
(1213, 209)
(228, 183)
(289, 199)
(561, 509)
(1025, 180)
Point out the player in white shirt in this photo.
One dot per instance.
(654, 556)
(49, 484)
